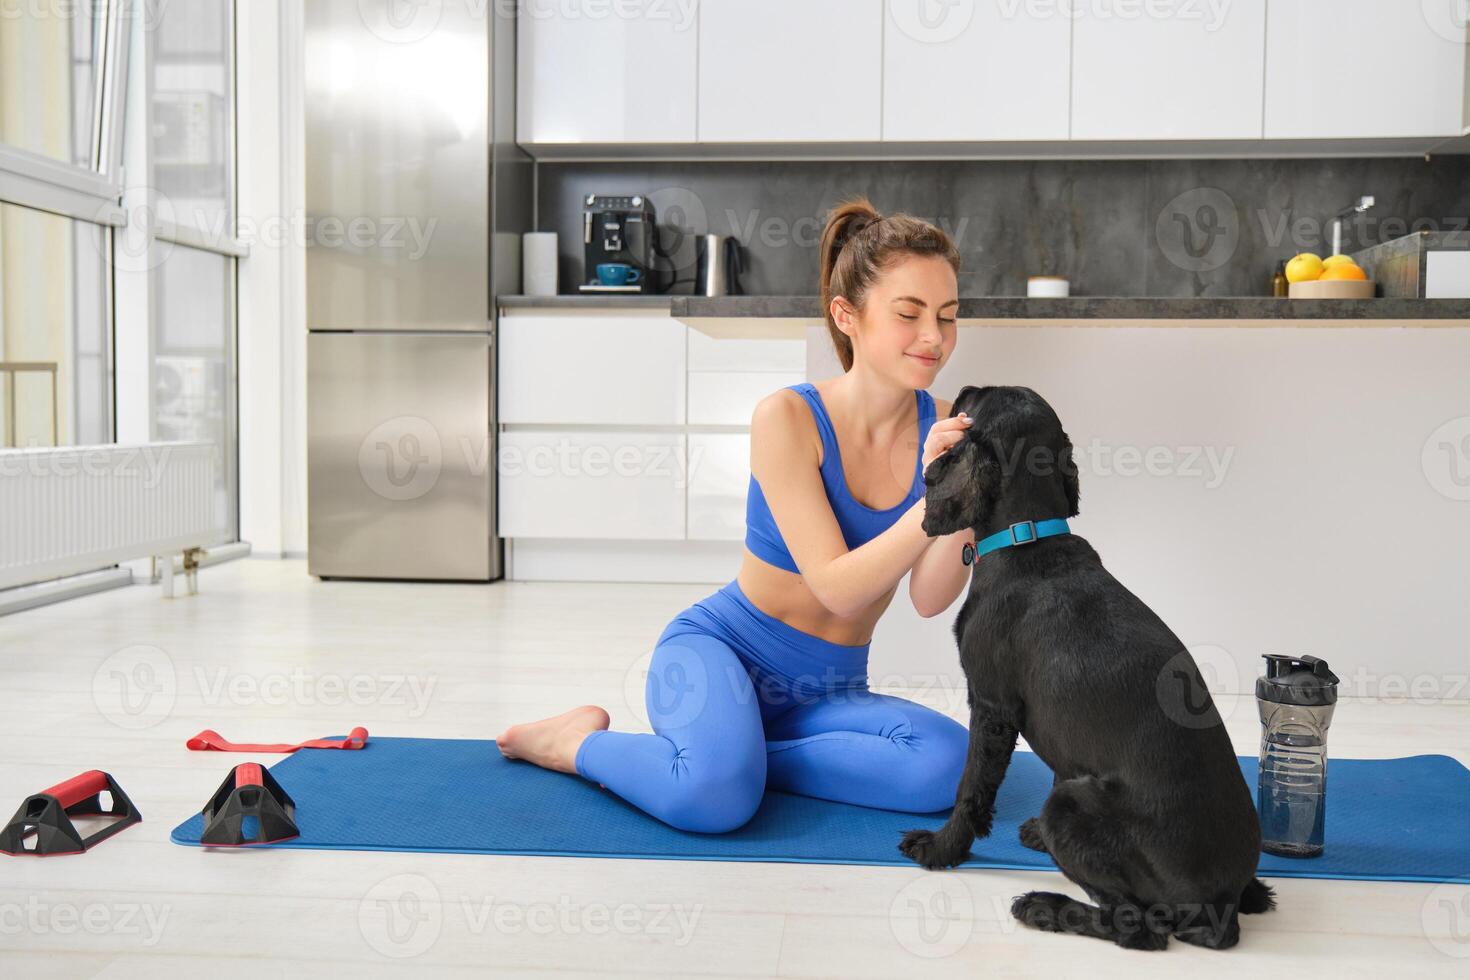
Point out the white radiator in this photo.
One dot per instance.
(79, 508)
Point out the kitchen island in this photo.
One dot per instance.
(1266, 490)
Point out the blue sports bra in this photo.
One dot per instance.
(859, 524)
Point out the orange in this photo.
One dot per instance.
(1345, 270)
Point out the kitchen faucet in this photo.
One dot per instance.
(1364, 203)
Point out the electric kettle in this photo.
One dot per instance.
(717, 266)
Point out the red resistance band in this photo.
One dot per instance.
(211, 739)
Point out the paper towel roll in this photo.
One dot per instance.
(538, 263)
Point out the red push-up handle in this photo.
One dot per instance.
(79, 788)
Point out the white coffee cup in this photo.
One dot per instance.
(1050, 286)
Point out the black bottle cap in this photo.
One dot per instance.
(1297, 680)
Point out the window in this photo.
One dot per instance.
(193, 322)
(69, 304)
(48, 79)
(54, 365)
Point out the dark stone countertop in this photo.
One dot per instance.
(632, 301)
(1104, 308)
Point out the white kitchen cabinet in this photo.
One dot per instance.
(707, 353)
(975, 71)
(566, 368)
(790, 70)
(606, 72)
(1170, 70)
(1364, 68)
(730, 397)
(584, 483)
(719, 476)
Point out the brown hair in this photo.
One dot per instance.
(858, 244)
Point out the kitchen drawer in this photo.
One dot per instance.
(719, 476)
(607, 369)
(707, 353)
(579, 483)
(730, 397)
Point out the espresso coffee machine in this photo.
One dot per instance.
(618, 241)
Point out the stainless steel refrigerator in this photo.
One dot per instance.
(416, 197)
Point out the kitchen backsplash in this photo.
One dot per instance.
(1114, 227)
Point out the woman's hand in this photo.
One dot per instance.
(943, 434)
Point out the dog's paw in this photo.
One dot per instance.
(1040, 910)
(1030, 835)
(929, 850)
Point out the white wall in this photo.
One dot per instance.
(272, 280)
(1333, 531)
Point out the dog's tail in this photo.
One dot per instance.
(1257, 897)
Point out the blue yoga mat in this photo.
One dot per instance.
(1387, 819)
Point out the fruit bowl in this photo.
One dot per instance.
(1332, 289)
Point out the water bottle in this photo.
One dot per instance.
(1295, 698)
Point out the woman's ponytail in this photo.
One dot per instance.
(858, 243)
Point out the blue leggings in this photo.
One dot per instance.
(741, 702)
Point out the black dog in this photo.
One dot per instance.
(1148, 811)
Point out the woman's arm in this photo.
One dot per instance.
(939, 576)
(784, 463)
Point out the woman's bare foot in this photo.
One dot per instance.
(551, 743)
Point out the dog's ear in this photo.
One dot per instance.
(954, 406)
(1067, 463)
(960, 487)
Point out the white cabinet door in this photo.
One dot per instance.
(619, 72)
(730, 397)
(1169, 69)
(570, 368)
(579, 483)
(975, 71)
(719, 476)
(1353, 68)
(790, 70)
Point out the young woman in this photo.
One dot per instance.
(763, 684)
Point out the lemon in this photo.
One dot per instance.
(1304, 268)
(1333, 260)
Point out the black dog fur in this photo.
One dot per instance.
(1148, 813)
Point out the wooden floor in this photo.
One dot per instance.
(118, 681)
